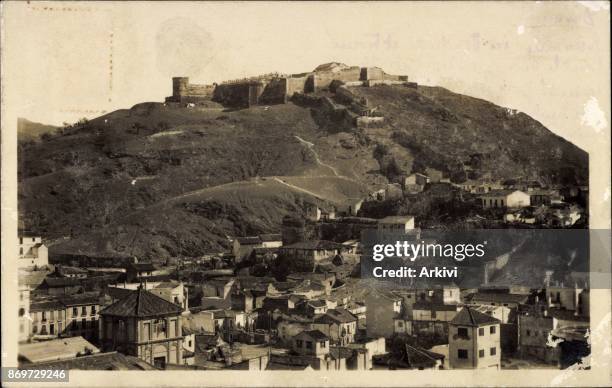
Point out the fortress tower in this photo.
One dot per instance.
(179, 87)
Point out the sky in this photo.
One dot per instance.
(549, 60)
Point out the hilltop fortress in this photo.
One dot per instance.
(278, 88)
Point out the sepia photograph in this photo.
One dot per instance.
(306, 193)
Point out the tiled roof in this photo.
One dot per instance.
(46, 305)
(417, 357)
(316, 335)
(118, 292)
(80, 299)
(499, 297)
(470, 317)
(168, 284)
(434, 306)
(316, 245)
(249, 240)
(317, 303)
(100, 361)
(336, 315)
(566, 315)
(58, 349)
(270, 237)
(142, 304)
(500, 193)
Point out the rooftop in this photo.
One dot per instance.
(270, 237)
(59, 349)
(99, 361)
(470, 317)
(315, 335)
(336, 315)
(142, 304)
(316, 245)
(254, 240)
(499, 297)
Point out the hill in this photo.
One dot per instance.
(169, 179)
(29, 130)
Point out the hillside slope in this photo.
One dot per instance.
(158, 180)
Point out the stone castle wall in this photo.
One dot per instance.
(275, 88)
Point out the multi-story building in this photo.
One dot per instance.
(311, 343)
(75, 315)
(32, 253)
(174, 292)
(339, 324)
(143, 325)
(474, 340)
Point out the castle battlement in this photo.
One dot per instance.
(277, 88)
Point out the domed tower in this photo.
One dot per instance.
(179, 87)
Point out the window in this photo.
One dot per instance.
(322, 343)
(299, 343)
(34, 329)
(44, 315)
(492, 330)
(481, 353)
(93, 310)
(146, 331)
(308, 345)
(84, 310)
(21, 312)
(462, 332)
(481, 331)
(462, 354)
(21, 251)
(52, 329)
(121, 332)
(493, 351)
(75, 311)
(433, 314)
(400, 324)
(528, 332)
(159, 327)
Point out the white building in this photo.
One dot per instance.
(32, 252)
(396, 224)
(505, 199)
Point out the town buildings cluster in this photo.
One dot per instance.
(217, 312)
(291, 301)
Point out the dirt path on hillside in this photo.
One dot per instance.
(297, 188)
(316, 155)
